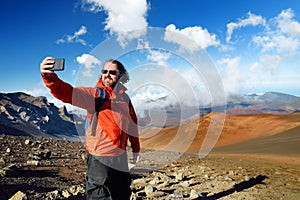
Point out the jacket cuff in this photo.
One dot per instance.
(49, 77)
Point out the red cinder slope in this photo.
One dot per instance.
(235, 129)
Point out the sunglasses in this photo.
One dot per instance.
(111, 72)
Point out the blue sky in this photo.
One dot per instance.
(253, 44)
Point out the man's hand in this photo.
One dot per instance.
(135, 157)
(46, 65)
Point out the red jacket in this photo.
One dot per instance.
(117, 121)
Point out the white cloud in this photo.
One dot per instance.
(277, 46)
(158, 57)
(152, 97)
(122, 16)
(40, 90)
(285, 81)
(265, 42)
(202, 92)
(154, 55)
(277, 42)
(233, 77)
(282, 35)
(267, 63)
(270, 61)
(143, 44)
(159, 87)
(75, 38)
(89, 62)
(286, 24)
(251, 20)
(200, 37)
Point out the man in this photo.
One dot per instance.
(112, 122)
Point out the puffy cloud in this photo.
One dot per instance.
(201, 37)
(153, 97)
(233, 77)
(122, 16)
(283, 35)
(158, 57)
(251, 20)
(265, 42)
(154, 55)
(266, 63)
(155, 86)
(287, 25)
(40, 90)
(278, 45)
(89, 62)
(75, 38)
(277, 42)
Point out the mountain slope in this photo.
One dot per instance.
(237, 129)
(285, 144)
(23, 114)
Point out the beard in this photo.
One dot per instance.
(108, 81)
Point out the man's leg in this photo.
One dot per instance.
(97, 180)
(119, 184)
(119, 179)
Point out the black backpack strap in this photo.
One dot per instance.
(101, 93)
(98, 103)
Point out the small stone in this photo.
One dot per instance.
(9, 150)
(155, 181)
(65, 194)
(33, 162)
(149, 190)
(19, 196)
(179, 176)
(194, 194)
(176, 195)
(2, 162)
(206, 176)
(185, 183)
(246, 178)
(83, 156)
(231, 173)
(27, 142)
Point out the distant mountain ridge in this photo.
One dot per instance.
(269, 102)
(268, 96)
(23, 114)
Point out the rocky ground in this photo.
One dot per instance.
(43, 168)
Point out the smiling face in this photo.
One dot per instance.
(110, 74)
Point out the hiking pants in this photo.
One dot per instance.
(108, 178)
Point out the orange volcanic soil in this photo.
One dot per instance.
(269, 134)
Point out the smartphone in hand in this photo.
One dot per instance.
(59, 64)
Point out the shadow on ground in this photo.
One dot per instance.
(237, 188)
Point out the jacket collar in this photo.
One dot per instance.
(118, 89)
